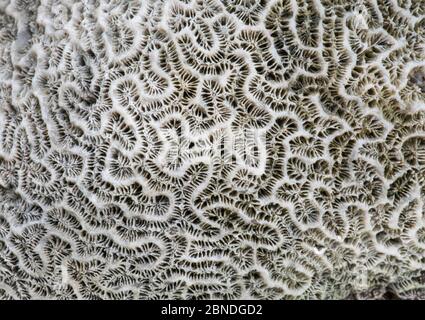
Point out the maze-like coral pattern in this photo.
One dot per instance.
(97, 202)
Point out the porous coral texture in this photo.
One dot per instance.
(226, 149)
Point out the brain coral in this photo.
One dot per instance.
(204, 149)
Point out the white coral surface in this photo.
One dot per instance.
(222, 149)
